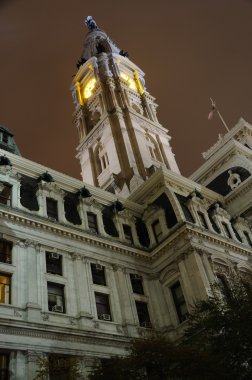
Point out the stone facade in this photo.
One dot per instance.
(85, 267)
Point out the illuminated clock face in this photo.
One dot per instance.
(89, 88)
(130, 81)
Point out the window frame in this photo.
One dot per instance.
(9, 276)
(95, 275)
(179, 302)
(57, 286)
(52, 213)
(106, 305)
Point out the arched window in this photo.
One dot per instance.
(101, 158)
(153, 148)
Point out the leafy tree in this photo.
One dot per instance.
(60, 368)
(221, 326)
(157, 359)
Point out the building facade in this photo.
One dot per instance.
(85, 266)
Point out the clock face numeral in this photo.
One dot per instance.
(130, 81)
(88, 89)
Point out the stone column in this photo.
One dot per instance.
(83, 289)
(33, 308)
(18, 366)
(32, 364)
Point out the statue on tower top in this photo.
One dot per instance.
(91, 24)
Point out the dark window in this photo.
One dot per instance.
(4, 366)
(5, 251)
(143, 314)
(127, 233)
(102, 306)
(52, 208)
(179, 301)
(156, 226)
(98, 274)
(5, 287)
(56, 300)
(92, 222)
(5, 194)
(5, 138)
(246, 234)
(226, 230)
(223, 285)
(136, 283)
(202, 219)
(54, 263)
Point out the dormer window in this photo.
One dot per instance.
(5, 194)
(52, 208)
(128, 233)
(92, 222)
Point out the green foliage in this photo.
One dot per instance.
(62, 368)
(157, 359)
(221, 326)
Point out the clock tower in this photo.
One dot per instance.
(121, 142)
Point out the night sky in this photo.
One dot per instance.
(189, 49)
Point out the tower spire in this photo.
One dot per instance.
(121, 141)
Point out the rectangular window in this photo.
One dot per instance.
(92, 222)
(246, 234)
(136, 283)
(143, 314)
(128, 233)
(179, 301)
(52, 208)
(202, 219)
(226, 230)
(98, 274)
(4, 366)
(5, 251)
(5, 194)
(102, 306)
(5, 284)
(156, 227)
(223, 285)
(56, 300)
(54, 263)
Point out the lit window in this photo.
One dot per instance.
(52, 208)
(136, 283)
(89, 88)
(156, 227)
(5, 251)
(98, 274)
(92, 222)
(179, 301)
(5, 281)
(202, 220)
(54, 263)
(56, 300)
(143, 314)
(130, 81)
(102, 306)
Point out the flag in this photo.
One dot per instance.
(211, 113)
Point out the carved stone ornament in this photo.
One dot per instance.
(234, 180)
(45, 316)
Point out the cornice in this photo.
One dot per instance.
(71, 233)
(64, 335)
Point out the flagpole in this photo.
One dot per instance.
(219, 114)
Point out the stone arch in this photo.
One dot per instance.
(153, 147)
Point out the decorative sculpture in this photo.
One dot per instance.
(91, 24)
(234, 180)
